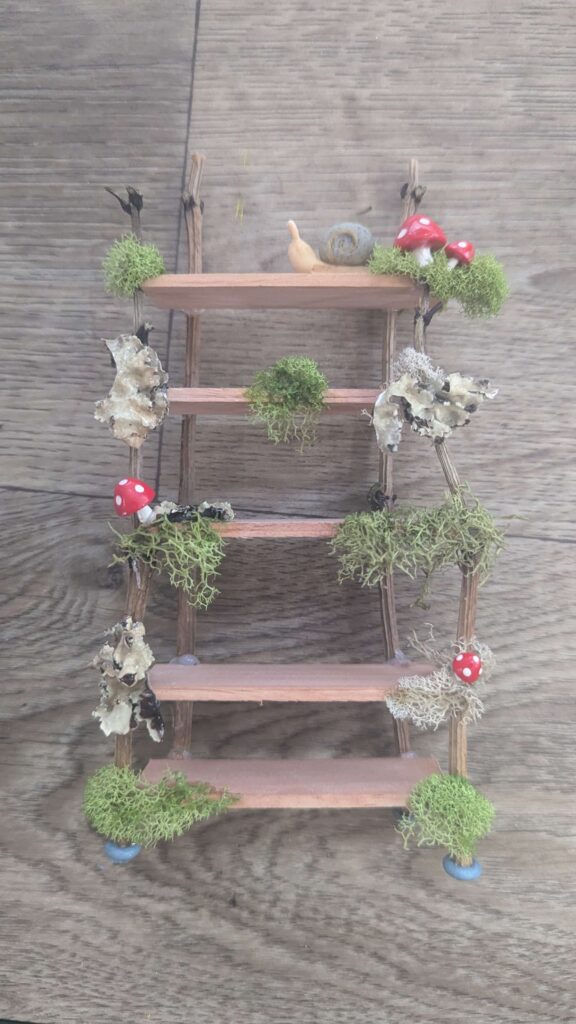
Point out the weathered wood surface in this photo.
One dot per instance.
(309, 112)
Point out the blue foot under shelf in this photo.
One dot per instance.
(121, 854)
(465, 874)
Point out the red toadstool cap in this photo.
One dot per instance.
(130, 495)
(417, 231)
(464, 252)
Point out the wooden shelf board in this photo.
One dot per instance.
(320, 783)
(355, 290)
(231, 401)
(295, 682)
(268, 529)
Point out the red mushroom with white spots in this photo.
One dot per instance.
(132, 497)
(459, 254)
(421, 236)
(467, 666)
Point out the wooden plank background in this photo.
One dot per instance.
(308, 112)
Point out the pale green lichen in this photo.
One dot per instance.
(190, 554)
(447, 811)
(128, 263)
(370, 545)
(480, 289)
(289, 398)
(122, 807)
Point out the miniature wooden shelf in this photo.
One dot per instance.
(297, 682)
(326, 782)
(266, 529)
(231, 401)
(355, 290)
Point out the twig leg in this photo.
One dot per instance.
(186, 635)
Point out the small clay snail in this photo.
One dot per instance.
(347, 244)
(345, 247)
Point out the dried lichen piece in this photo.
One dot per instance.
(434, 403)
(137, 402)
(427, 701)
(125, 697)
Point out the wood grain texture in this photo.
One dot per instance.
(303, 681)
(355, 290)
(311, 112)
(312, 784)
(232, 401)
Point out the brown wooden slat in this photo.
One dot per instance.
(356, 290)
(325, 782)
(262, 529)
(232, 401)
(298, 682)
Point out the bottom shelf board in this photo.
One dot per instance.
(323, 782)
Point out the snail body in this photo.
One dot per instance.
(339, 242)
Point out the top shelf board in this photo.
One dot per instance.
(193, 293)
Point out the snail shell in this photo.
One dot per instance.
(347, 244)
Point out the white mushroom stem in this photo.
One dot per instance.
(423, 255)
(146, 515)
(452, 262)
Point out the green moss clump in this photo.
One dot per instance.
(189, 553)
(289, 398)
(394, 261)
(128, 263)
(369, 545)
(480, 289)
(448, 811)
(123, 808)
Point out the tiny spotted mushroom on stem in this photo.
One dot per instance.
(467, 666)
(132, 497)
(421, 236)
(459, 253)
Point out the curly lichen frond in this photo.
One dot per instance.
(128, 263)
(122, 807)
(190, 553)
(447, 811)
(289, 398)
(433, 402)
(460, 532)
(480, 288)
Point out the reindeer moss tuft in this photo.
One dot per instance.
(123, 808)
(128, 263)
(189, 553)
(369, 545)
(447, 810)
(289, 398)
(480, 289)
(395, 261)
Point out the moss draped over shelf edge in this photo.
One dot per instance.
(447, 811)
(190, 554)
(460, 532)
(122, 807)
(480, 289)
(128, 264)
(288, 398)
